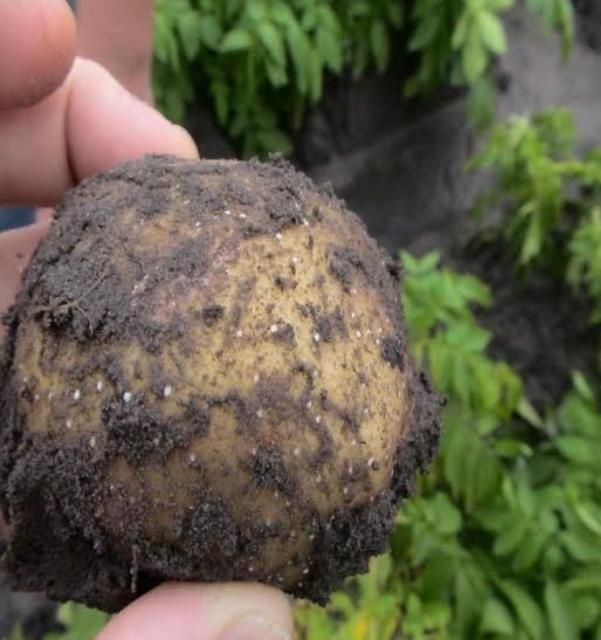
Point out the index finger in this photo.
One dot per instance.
(34, 61)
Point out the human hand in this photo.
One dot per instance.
(204, 612)
(63, 119)
(118, 35)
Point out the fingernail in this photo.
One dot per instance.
(254, 627)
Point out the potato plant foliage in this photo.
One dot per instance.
(263, 63)
(78, 623)
(550, 197)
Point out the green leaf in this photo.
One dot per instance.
(424, 34)
(579, 417)
(566, 22)
(474, 290)
(256, 11)
(210, 31)
(236, 40)
(437, 576)
(586, 610)
(578, 450)
(380, 44)
(273, 42)
(496, 618)
(448, 517)
(484, 476)
(439, 359)
(526, 498)
(81, 622)
(174, 105)
(454, 447)
(556, 14)
(494, 518)
(530, 551)
(277, 74)
(437, 614)
(508, 541)
(525, 607)
(315, 76)
(500, 5)
(281, 13)
(492, 32)
(468, 337)
(562, 624)
(554, 559)
(342, 602)
(221, 99)
(188, 27)
(581, 544)
(329, 47)
(481, 102)
(533, 239)
(421, 266)
(300, 51)
(461, 31)
(469, 589)
(274, 141)
(166, 49)
(395, 14)
(589, 515)
(586, 578)
(508, 448)
(474, 57)
(528, 413)
(583, 387)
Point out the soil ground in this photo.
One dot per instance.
(543, 340)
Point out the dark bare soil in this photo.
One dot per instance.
(589, 12)
(539, 326)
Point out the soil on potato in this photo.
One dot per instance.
(92, 295)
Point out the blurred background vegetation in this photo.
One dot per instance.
(261, 63)
(503, 537)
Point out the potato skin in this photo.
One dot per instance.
(205, 378)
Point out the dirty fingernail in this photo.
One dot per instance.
(254, 627)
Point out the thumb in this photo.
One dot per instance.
(204, 612)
